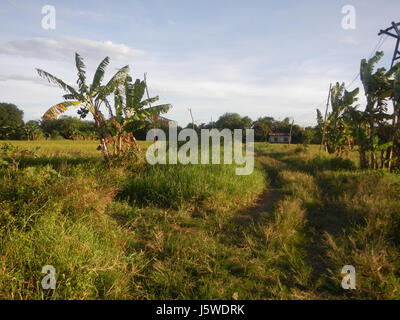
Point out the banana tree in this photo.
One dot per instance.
(378, 86)
(88, 98)
(336, 129)
(132, 112)
(394, 94)
(32, 130)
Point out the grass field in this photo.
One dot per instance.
(197, 232)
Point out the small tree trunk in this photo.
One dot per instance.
(371, 141)
(100, 126)
(136, 144)
(396, 119)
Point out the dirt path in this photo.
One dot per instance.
(264, 204)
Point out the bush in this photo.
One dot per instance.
(327, 163)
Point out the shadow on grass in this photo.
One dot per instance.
(325, 214)
(314, 165)
(58, 162)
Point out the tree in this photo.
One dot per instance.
(262, 128)
(32, 130)
(132, 111)
(233, 121)
(395, 95)
(89, 98)
(11, 121)
(68, 128)
(10, 115)
(337, 132)
(378, 86)
(312, 135)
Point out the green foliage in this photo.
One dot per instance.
(262, 127)
(369, 129)
(132, 112)
(197, 232)
(336, 130)
(33, 131)
(233, 121)
(69, 128)
(11, 121)
(11, 155)
(378, 87)
(89, 100)
(179, 185)
(10, 115)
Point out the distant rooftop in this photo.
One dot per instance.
(278, 134)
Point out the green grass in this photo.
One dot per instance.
(68, 148)
(197, 232)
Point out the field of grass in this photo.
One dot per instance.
(70, 148)
(197, 232)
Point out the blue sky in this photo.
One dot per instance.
(257, 58)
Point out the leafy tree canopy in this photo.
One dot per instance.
(233, 121)
(10, 115)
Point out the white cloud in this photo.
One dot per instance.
(7, 77)
(209, 85)
(63, 48)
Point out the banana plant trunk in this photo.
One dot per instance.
(371, 141)
(396, 119)
(101, 130)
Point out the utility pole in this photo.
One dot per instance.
(389, 31)
(153, 116)
(396, 55)
(290, 134)
(191, 115)
(326, 113)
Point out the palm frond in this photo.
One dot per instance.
(80, 66)
(151, 111)
(160, 109)
(54, 111)
(99, 75)
(119, 105)
(69, 96)
(148, 102)
(117, 80)
(52, 79)
(135, 95)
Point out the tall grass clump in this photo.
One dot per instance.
(171, 186)
(48, 218)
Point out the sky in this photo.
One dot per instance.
(255, 58)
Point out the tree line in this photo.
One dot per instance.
(262, 127)
(12, 127)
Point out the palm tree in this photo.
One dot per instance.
(337, 133)
(32, 130)
(132, 111)
(396, 117)
(263, 126)
(378, 86)
(89, 98)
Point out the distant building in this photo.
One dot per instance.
(161, 119)
(279, 138)
(168, 121)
